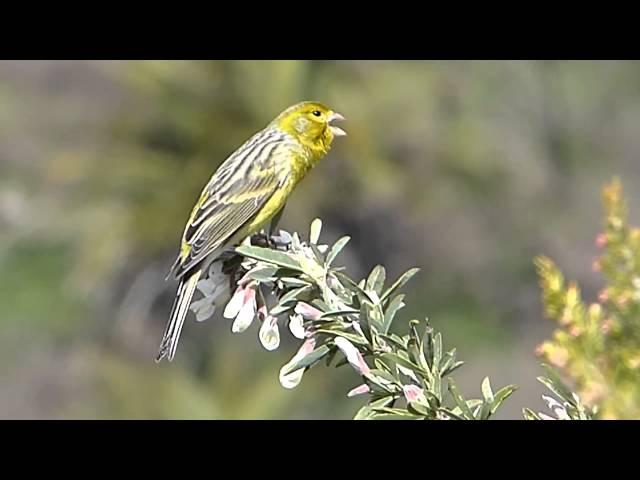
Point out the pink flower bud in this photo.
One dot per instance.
(308, 311)
(354, 357)
(359, 390)
(412, 392)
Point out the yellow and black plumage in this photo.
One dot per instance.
(248, 190)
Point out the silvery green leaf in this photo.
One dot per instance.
(294, 295)
(263, 273)
(453, 367)
(448, 360)
(487, 393)
(384, 375)
(437, 350)
(308, 360)
(390, 313)
(454, 414)
(295, 242)
(270, 256)
(376, 279)
(395, 340)
(340, 313)
(336, 249)
(404, 278)
(418, 409)
(555, 384)
(293, 281)
(501, 395)
(376, 318)
(530, 414)
(395, 413)
(281, 308)
(398, 360)
(316, 227)
(460, 402)
(366, 411)
(349, 336)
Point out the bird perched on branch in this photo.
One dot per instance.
(248, 191)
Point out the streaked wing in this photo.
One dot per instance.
(234, 195)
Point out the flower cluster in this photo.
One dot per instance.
(597, 345)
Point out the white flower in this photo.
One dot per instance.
(354, 357)
(269, 334)
(242, 307)
(213, 288)
(293, 379)
(296, 326)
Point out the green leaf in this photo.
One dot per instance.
(394, 340)
(397, 412)
(384, 375)
(270, 256)
(393, 307)
(366, 411)
(263, 273)
(485, 411)
(308, 360)
(295, 281)
(376, 279)
(316, 228)
(398, 360)
(281, 308)
(501, 395)
(487, 393)
(455, 415)
(437, 350)
(419, 409)
(348, 283)
(462, 404)
(352, 337)
(529, 414)
(448, 360)
(340, 313)
(317, 253)
(453, 367)
(375, 315)
(331, 356)
(293, 295)
(336, 249)
(404, 278)
(555, 384)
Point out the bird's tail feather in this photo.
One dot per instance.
(179, 311)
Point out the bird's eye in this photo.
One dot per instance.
(317, 113)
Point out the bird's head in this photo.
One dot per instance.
(310, 122)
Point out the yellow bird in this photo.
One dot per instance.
(247, 191)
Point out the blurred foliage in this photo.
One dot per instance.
(598, 344)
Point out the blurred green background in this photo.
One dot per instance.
(466, 169)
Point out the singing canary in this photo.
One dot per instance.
(247, 191)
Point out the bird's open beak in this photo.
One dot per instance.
(337, 131)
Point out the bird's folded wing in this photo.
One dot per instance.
(219, 216)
